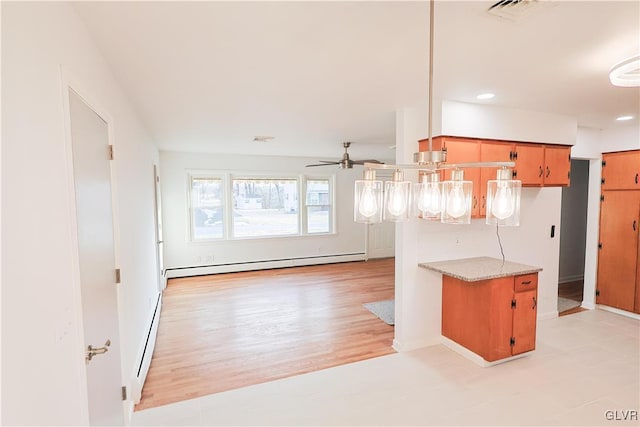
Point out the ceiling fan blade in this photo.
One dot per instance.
(323, 164)
(331, 162)
(362, 162)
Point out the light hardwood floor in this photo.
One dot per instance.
(574, 291)
(227, 331)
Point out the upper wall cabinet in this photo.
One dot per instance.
(537, 165)
(620, 171)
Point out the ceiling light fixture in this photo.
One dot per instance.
(485, 96)
(263, 138)
(624, 118)
(626, 73)
(449, 201)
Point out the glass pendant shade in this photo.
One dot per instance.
(397, 197)
(427, 197)
(503, 199)
(367, 207)
(456, 199)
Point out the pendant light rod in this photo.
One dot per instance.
(431, 7)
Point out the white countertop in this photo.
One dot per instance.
(480, 268)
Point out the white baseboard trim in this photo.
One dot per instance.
(571, 278)
(145, 353)
(618, 311)
(402, 347)
(548, 315)
(261, 265)
(588, 305)
(475, 358)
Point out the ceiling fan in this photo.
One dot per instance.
(345, 162)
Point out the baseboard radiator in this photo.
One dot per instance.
(262, 265)
(146, 352)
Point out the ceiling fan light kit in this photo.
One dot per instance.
(450, 201)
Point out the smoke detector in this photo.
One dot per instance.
(513, 10)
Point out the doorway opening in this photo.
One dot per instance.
(573, 237)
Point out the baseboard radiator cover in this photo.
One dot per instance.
(146, 352)
(262, 265)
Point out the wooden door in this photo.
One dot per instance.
(461, 150)
(530, 164)
(491, 152)
(621, 171)
(524, 321)
(618, 256)
(557, 165)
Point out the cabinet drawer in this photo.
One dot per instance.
(526, 282)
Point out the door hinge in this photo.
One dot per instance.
(515, 155)
(117, 275)
(512, 341)
(513, 303)
(604, 163)
(514, 173)
(599, 245)
(124, 392)
(602, 198)
(569, 156)
(111, 155)
(597, 292)
(602, 181)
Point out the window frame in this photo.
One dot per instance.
(191, 175)
(332, 226)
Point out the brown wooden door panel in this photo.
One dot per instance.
(491, 152)
(530, 164)
(461, 150)
(621, 170)
(618, 257)
(557, 162)
(524, 321)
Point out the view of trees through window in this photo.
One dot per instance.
(207, 208)
(265, 207)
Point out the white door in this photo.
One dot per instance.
(92, 179)
(162, 279)
(381, 240)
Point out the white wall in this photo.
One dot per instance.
(485, 121)
(418, 291)
(42, 346)
(180, 252)
(621, 138)
(574, 223)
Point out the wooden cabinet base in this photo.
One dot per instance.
(492, 318)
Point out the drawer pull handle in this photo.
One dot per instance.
(548, 171)
(528, 282)
(535, 303)
(634, 225)
(636, 178)
(540, 173)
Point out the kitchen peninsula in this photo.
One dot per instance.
(489, 306)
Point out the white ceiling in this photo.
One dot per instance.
(209, 76)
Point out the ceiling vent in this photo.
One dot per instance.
(513, 10)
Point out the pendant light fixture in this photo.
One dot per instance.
(367, 206)
(448, 201)
(503, 199)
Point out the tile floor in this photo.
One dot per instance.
(584, 365)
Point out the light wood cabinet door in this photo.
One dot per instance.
(462, 150)
(618, 254)
(530, 164)
(524, 321)
(557, 165)
(621, 171)
(491, 152)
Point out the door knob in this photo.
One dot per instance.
(91, 351)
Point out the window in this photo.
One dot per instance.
(265, 207)
(318, 203)
(207, 208)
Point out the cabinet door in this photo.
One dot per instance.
(491, 152)
(557, 164)
(524, 321)
(530, 164)
(618, 256)
(621, 171)
(460, 150)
